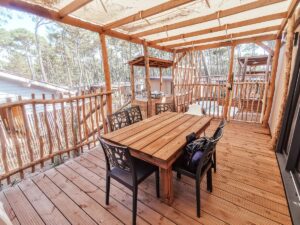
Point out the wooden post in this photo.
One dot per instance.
(173, 79)
(229, 84)
(132, 83)
(160, 79)
(147, 79)
(286, 76)
(264, 103)
(106, 73)
(272, 83)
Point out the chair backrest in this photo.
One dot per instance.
(206, 158)
(163, 107)
(219, 131)
(118, 120)
(116, 156)
(135, 114)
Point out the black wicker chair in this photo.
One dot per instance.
(216, 137)
(127, 170)
(135, 114)
(163, 107)
(118, 120)
(204, 167)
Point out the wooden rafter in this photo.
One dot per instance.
(147, 13)
(290, 12)
(54, 15)
(228, 36)
(265, 47)
(72, 7)
(210, 17)
(230, 43)
(223, 27)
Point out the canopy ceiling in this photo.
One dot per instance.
(168, 25)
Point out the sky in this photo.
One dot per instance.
(20, 20)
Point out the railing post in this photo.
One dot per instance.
(132, 83)
(229, 84)
(272, 83)
(147, 80)
(106, 73)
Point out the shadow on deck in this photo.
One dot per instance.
(247, 189)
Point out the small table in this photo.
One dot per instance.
(159, 140)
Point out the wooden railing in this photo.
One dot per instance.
(211, 97)
(246, 102)
(38, 132)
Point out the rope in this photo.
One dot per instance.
(218, 17)
(141, 17)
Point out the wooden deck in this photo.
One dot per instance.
(247, 190)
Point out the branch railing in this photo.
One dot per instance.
(37, 132)
(246, 102)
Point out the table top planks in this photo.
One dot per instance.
(160, 137)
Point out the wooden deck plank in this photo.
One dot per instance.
(99, 170)
(247, 189)
(25, 213)
(44, 207)
(86, 203)
(66, 205)
(89, 182)
(145, 212)
(8, 210)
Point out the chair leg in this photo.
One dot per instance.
(198, 200)
(209, 180)
(178, 175)
(215, 161)
(107, 189)
(134, 205)
(157, 183)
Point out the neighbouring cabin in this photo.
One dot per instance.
(155, 90)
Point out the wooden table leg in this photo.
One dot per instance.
(167, 185)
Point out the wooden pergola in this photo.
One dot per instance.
(149, 62)
(158, 25)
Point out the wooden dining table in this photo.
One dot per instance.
(159, 140)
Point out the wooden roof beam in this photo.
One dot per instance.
(147, 13)
(223, 27)
(268, 37)
(290, 12)
(54, 15)
(72, 7)
(228, 36)
(210, 17)
(265, 47)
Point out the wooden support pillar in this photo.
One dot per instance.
(272, 83)
(147, 79)
(229, 84)
(132, 83)
(286, 76)
(173, 77)
(264, 102)
(160, 79)
(106, 73)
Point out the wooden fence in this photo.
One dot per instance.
(37, 132)
(246, 102)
